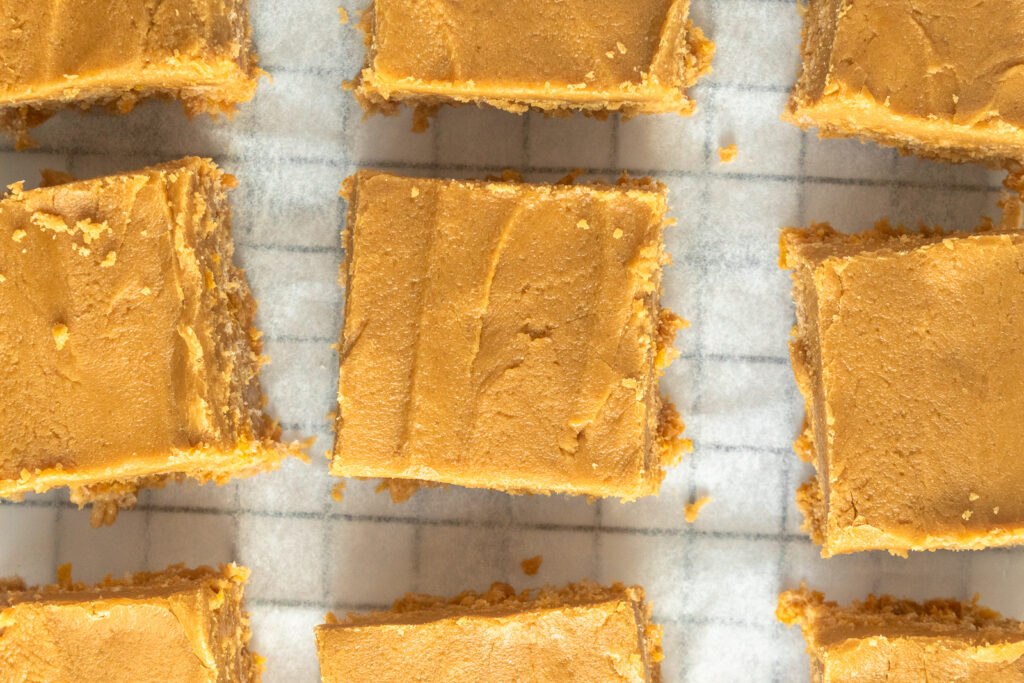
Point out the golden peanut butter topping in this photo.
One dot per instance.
(903, 641)
(580, 633)
(505, 335)
(83, 52)
(178, 625)
(640, 56)
(125, 345)
(919, 73)
(910, 354)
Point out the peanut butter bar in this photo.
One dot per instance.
(183, 625)
(128, 356)
(505, 335)
(931, 77)
(583, 632)
(637, 57)
(886, 639)
(114, 53)
(909, 352)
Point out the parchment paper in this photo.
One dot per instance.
(714, 582)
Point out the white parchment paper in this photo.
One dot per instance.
(714, 582)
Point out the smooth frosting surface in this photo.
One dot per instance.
(580, 633)
(910, 354)
(936, 77)
(57, 54)
(589, 54)
(126, 347)
(505, 335)
(181, 625)
(903, 641)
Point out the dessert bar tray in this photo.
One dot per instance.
(714, 582)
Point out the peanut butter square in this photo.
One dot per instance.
(637, 57)
(909, 351)
(183, 625)
(114, 53)
(931, 77)
(505, 335)
(887, 639)
(582, 632)
(128, 356)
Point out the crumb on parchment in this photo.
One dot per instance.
(693, 509)
(531, 565)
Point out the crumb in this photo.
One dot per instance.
(422, 114)
(609, 54)
(415, 192)
(400, 490)
(967, 514)
(570, 177)
(109, 260)
(49, 221)
(338, 490)
(727, 155)
(693, 509)
(973, 497)
(342, 15)
(18, 235)
(60, 335)
(91, 230)
(621, 48)
(617, 234)
(146, 291)
(995, 510)
(531, 565)
(3, 279)
(582, 223)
